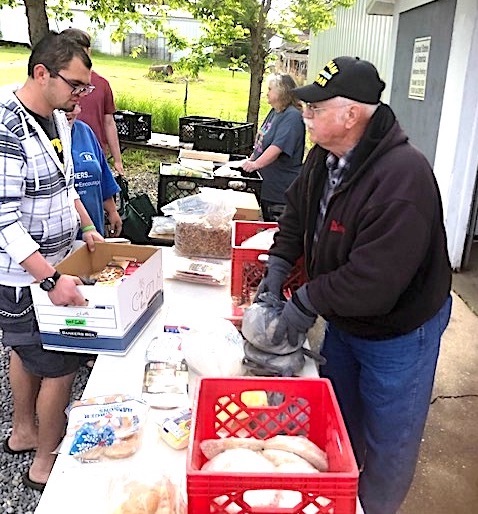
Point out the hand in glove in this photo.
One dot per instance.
(297, 317)
(276, 273)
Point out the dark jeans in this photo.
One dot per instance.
(384, 390)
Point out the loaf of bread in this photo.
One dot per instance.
(159, 498)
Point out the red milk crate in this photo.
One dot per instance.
(297, 406)
(248, 266)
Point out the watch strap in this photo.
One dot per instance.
(52, 280)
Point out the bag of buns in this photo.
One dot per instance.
(104, 427)
(161, 496)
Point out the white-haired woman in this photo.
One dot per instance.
(279, 145)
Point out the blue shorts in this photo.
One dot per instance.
(22, 335)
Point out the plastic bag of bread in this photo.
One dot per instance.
(104, 427)
(148, 496)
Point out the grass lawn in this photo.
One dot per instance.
(217, 93)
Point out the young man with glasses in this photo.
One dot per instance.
(40, 214)
(76, 89)
(366, 216)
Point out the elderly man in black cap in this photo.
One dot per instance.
(366, 215)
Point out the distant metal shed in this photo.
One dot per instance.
(358, 34)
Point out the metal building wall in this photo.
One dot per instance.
(355, 33)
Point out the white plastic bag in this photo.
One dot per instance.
(213, 347)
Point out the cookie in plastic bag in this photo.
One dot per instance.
(158, 495)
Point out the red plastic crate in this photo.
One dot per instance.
(248, 266)
(301, 406)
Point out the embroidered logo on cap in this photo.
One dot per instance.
(328, 71)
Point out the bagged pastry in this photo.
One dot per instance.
(104, 427)
(156, 493)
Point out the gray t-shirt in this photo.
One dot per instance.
(287, 131)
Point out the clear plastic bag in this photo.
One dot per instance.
(203, 224)
(163, 225)
(104, 427)
(149, 492)
(201, 271)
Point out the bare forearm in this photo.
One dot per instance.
(113, 142)
(37, 266)
(65, 291)
(109, 206)
(85, 219)
(269, 155)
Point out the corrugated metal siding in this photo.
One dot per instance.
(355, 33)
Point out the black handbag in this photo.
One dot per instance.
(136, 213)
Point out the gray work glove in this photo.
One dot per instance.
(297, 317)
(277, 271)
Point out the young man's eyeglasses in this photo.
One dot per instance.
(84, 89)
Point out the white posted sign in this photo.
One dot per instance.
(418, 75)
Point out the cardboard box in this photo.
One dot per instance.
(115, 314)
(246, 205)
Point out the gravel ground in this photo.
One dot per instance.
(144, 182)
(15, 497)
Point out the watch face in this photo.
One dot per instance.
(48, 284)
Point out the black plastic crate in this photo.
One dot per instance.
(186, 126)
(248, 182)
(172, 187)
(224, 137)
(133, 126)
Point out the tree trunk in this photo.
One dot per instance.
(37, 20)
(257, 68)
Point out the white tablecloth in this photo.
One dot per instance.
(76, 488)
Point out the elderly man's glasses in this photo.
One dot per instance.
(308, 107)
(84, 89)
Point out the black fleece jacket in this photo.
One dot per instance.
(380, 267)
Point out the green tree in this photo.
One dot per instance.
(258, 21)
(124, 13)
(224, 21)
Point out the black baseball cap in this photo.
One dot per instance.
(349, 77)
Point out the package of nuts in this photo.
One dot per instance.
(203, 224)
(199, 239)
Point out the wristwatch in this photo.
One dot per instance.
(48, 283)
